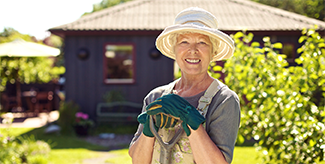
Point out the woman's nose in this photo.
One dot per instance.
(193, 47)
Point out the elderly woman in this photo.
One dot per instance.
(206, 109)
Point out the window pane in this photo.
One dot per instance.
(288, 49)
(119, 64)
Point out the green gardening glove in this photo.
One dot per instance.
(144, 119)
(178, 107)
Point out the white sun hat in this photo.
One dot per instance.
(196, 20)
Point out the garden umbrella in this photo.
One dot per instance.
(21, 48)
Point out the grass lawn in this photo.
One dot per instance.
(64, 149)
(71, 156)
(242, 155)
(73, 150)
(122, 156)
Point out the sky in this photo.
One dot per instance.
(35, 17)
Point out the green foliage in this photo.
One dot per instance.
(106, 4)
(67, 117)
(311, 8)
(10, 34)
(177, 74)
(312, 73)
(25, 69)
(56, 41)
(113, 96)
(278, 103)
(28, 70)
(17, 150)
(65, 149)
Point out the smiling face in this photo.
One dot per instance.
(193, 53)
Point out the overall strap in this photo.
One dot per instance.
(206, 99)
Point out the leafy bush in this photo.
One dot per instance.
(17, 150)
(312, 70)
(67, 117)
(23, 150)
(281, 106)
(113, 96)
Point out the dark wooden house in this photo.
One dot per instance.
(114, 49)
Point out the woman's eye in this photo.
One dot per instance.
(184, 42)
(202, 43)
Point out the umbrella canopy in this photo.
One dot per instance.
(21, 48)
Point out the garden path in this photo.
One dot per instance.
(114, 142)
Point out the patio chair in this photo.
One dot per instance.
(44, 101)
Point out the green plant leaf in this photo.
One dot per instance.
(266, 39)
(277, 45)
(240, 139)
(298, 61)
(321, 82)
(312, 46)
(314, 76)
(217, 68)
(250, 96)
(300, 50)
(255, 44)
(312, 143)
(321, 45)
(301, 39)
(238, 35)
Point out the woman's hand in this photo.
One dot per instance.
(177, 107)
(163, 120)
(144, 119)
(204, 149)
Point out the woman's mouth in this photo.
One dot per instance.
(193, 61)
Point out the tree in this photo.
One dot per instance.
(105, 4)
(282, 107)
(310, 8)
(56, 41)
(25, 69)
(10, 34)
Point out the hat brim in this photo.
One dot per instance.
(225, 44)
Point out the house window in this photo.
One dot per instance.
(288, 49)
(119, 63)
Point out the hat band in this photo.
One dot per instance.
(191, 21)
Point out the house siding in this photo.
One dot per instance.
(85, 84)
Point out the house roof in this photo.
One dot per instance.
(232, 15)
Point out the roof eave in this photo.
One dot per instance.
(63, 33)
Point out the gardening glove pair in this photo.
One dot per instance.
(162, 120)
(177, 107)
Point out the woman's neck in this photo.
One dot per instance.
(190, 86)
